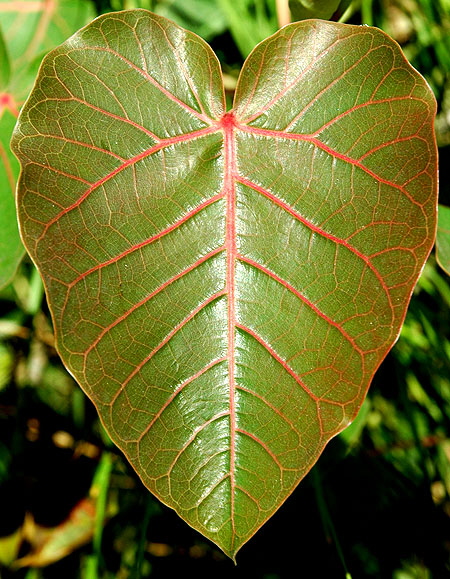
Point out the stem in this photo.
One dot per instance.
(366, 12)
(136, 572)
(330, 531)
(99, 490)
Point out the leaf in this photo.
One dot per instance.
(5, 65)
(33, 27)
(303, 9)
(11, 248)
(51, 544)
(224, 285)
(9, 547)
(204, 17)
(84, 523)
(249, 21)
(443, 238)
(29, 29)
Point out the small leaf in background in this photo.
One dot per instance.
(6, 367)
(5, 65)
(204, 17)
(304, 9)
(249, 22)
(443, 238)
(52, 544)
(33, 27)
(224, 285)
(11, 248)
(10, 546)
(85, 522)
(27, 31)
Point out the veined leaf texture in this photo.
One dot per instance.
(224, 284)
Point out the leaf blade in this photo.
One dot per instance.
(224, 285)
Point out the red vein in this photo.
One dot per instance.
(301, 297)
(194, 435)
(319, 231)
(253, 499)
(330, 151)
(228, 125)
(288, 87)
(186, 74)
(150, 78)
(59, 172)
(274, 409)
(169, 336)
(147, 298)
(388, 224)
(282, 362)
(152, 239)
(389, 143)
(272, 455)
(78, 143)
(124, 165)
(175, 393)
(329, 86)
(139, 45)
(219, 481)
(93, 75)
(364, 105)
(107, 113)
(256, 76)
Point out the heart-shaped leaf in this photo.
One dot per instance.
(225, 284)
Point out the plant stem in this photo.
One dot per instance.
(99, 490)
(330, 531)
(366, 12)
(136, 573)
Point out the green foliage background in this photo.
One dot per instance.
(378, 502)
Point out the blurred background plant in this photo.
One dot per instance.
(378, 502)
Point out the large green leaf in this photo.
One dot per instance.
(224, 285)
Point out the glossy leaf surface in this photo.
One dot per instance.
(224, 285)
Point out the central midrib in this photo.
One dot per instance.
(228, 125)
